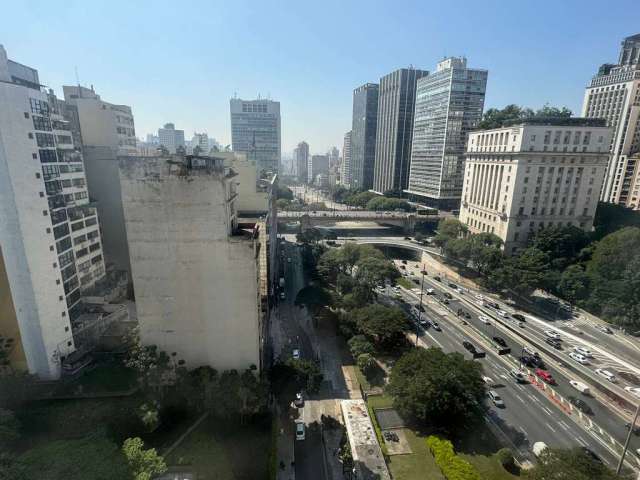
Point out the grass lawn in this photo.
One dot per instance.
(489, 467)
(405, 282)
(218, 452)
(418, 465)
(380, 401)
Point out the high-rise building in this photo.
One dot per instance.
(105, 130)
(535, 174)
(170, 138)
(363, 135)
(334, 156)
(49, 234)
(302, 161)
(255, 131)
(318, 164)
(449, 105)
(614, 94)
(200, 140)
(394, 129)
(199, 274)
(345, 166)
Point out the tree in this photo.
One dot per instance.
(283, 204)
(484, 251)
(384, 326)
(9, 427)
(372, 271)
(360, 199)
(562, 244)
(495, 117)
(574, 284)
(383, 203)
(443, 390)
(311, 235)
(149, 415)
(283, 192)
(611, 217)
(143, 464)
(506, 459)
(560, 464)
(359, 344)
(449, 229)
(366, 363)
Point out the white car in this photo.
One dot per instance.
(502, 313)
(479, 297)
(495, 398)
(282, 296)
(583, 351)
(581, 359)
(530, 352)
(488, 381)
(552, 334)
(607, 374)
(633, 390)
(296, 354)
(299, 431)
(289, 260)
(430, 291)
(484, 320)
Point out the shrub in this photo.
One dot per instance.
(359, 344)
(366, 363)
(505, 456)
(452, 466)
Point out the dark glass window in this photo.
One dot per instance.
(61, 231)
(45, 140)
(41, 123)
(54, 187)
(96, 259)
(39, 106)
(50, 172)
(68, 272)
(48, 156)
(64, 244)
(59, 216)
(65, 259)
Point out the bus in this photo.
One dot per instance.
(426, 210)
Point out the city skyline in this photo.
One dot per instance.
(561, 59)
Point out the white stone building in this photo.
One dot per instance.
(170, 138)
(199, 278)
(532, 175)
(49, 234)
(614, 94)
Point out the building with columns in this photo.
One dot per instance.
(532, 175)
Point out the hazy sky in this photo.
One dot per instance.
(180, 62)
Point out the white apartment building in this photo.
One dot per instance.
(532, 175)
(102, 123)
(345, 166)
(614, 94)
(199, 274)
(200, 140)
(49, 234)
(171, 138)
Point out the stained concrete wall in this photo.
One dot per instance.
(196, 285)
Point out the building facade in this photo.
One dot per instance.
(50, 239)
(318, 164)
(614, 94)
(533, 175)
(170, 138)
(301, 154)
(363, 135)
(449, 104)
(394, 129)
(200, 140)
(199, 278)
(255, 131)
(345, 166)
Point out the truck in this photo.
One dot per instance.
(281, 282)
(581, 387)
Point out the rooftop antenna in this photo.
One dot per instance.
(78, 81)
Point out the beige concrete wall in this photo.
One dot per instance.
(196, 287)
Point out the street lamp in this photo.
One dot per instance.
(626, 443)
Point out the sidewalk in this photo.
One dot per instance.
(285, 448)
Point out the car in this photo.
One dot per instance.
(583, 351)
(453, 286)
(545, 376)
(423, 272)
(502, 313)
(495, 398)
(607, 374)
(493, 305)
(299, 400)
(436, 326)
(448, 295)
(528, 361)
(296, 354)
(581, 359)
(299, 431)
(479, 297)
(519, 317)
(605, 329)
(430, 291)
(416, 281)
(404, 262)
(484, 319)
(554, 342)
(469, 346)
(445, 301)
(633, 390)
(403, 267)
(552, 334)
(500, 341)
(530, 352)
(488, 381)
(519, 376)
(591, 454)
(466, 315)
(424, 322)
(581, 387)
(407, 238)
(636, 428)
(581, 405)
(437, 278)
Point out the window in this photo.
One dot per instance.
(60, 231)
(63, 245)
(63, 139)
(65, 259)
(45, 140)
(48, 156)
(50, 172)
(39, 106)
(41, 123)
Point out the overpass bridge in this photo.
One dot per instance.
(407, 221)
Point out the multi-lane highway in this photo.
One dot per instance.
(530, 414)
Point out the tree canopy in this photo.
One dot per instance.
(442, 390)
(144, 464)
(496, 117)
(561, 464)
(384, 203)
(384, 326)
(360, 199)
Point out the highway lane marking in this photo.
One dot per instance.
(563, 425)
(551, 428)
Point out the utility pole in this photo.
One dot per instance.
(626, 443)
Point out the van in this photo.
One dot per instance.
(581, 387)
(539, 448)
(607, 374)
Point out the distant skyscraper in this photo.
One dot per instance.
(302, 161)
(318, 164)
(255, 131)
(363, 135)
(170, 138)
(200, 140)
(614, 94)
(345, 166)
(394, 129)
(334, 156)
(449, 104)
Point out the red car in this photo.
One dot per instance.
(546, 376)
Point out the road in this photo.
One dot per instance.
(312, 195)
(528, 410)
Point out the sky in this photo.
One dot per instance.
(181, 62)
